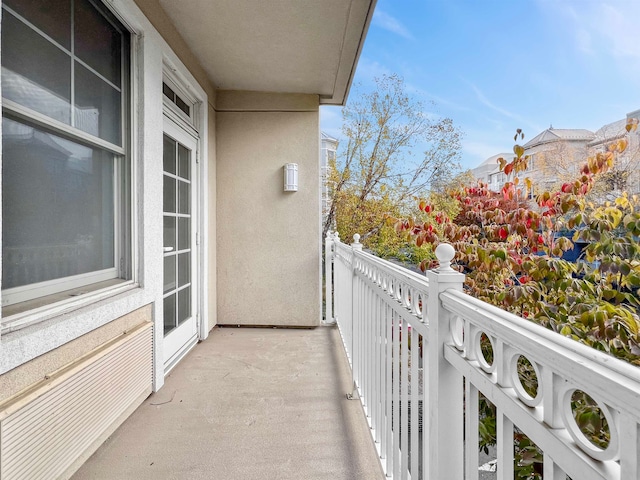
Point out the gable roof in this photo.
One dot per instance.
(555, 134)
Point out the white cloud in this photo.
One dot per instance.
(487, 103)
(391, 24)
(608, 27)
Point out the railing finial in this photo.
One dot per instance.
(356, 238)
(329, 235)
(445, 253)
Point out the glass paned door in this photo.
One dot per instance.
(180, 250)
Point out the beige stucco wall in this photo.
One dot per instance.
(268, 240)
(30, 373)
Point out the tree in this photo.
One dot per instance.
(377, 172)
(512, 253)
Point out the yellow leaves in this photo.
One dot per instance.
(518, 150)
(528, 184)
(502, 163)
(632, 125)
(614, 215)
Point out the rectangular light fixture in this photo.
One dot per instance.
(291, 177)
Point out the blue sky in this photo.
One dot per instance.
(497, 65)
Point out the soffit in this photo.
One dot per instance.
(284, 46)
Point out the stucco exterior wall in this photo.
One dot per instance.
(268, 240)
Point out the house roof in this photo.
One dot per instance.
(490, 165)
(282, 46)
(555, 134)
(610, 131)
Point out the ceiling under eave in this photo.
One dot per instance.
(284, 46)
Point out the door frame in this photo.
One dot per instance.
(174, 69)
(186, 337)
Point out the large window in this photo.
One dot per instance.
(65, 172)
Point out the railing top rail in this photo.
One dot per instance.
(571, 359)
(402, 273)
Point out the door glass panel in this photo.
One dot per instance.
(169, 234)
(184, 197)
(169, 313)
(178, 240)
(169, 195)
(184, 305)
(169, 273)
(184, 233)
(184, 269)
(169, 155)
(184, 162)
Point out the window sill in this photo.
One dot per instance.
(24, 314)
(36, 332)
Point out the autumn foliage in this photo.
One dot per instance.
(511, 246)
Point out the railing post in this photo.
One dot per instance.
(356, 246)
(443, 446)
(329, 280)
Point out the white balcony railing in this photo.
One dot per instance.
(416, 341)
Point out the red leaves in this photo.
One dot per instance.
(567, 188)
(425, 207)
(503, 233)
(508, 169)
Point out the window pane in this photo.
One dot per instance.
(184, 162)
(184, 269)
(35, 73)
(182, 105)
(184, 305)
(169, 155)
(169, 195)
(166, 89)
(169, 273)
(97, 106)
(57, 207)
(169, 232)
(184, 233)
(169, 313)
(184, 200)
(97, 42)
(53, 18)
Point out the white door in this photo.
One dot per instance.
(180, 214)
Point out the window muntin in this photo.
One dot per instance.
(175, 99)
(81, 86)
(65, 196)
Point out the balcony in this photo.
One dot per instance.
(270, 403)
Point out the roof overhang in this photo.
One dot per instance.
(282, 46)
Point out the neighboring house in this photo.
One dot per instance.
(555, 155)
(626, 172)
(489, 171)
(328, 149)
(142, 197)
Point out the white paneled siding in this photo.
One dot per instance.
(45, 431)
(415, 341)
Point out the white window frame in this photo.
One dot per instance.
(86, 285)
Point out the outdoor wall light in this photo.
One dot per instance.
(291, 177)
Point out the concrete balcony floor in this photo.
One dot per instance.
(247, 403)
